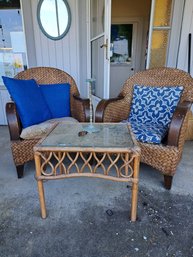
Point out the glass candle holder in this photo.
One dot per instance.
(91, 128)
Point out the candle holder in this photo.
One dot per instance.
(91, 128)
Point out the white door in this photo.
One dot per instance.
(99, 47)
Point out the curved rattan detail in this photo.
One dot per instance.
(153, 77)
(22, 150)
(49, 75)
(162, 157)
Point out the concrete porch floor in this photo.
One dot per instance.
(78, 224)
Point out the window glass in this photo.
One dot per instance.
(121, 43)
(48, 18)
(97, 67)
(160, 33)
(9, 4)
(162, 13)
(159, 48)
(12, 43)
(97, 17)
(54, 18)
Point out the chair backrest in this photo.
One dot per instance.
(49, 75)
(160, 77)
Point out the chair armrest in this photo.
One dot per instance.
(13, 121)
(109, 104)
(177, 123)
(80, 109)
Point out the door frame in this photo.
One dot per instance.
(136, 46)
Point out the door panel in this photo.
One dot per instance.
(96, 17)
(100, 11)
(97, 67)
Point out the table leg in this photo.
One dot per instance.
(40, 186)
(60, 167)
(42, 199)
(135, 189)
(126, 167)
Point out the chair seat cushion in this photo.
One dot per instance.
(154, 105)
(149, 133)
(57, 97)
(30, 103)
(40, 130)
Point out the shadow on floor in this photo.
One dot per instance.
(90, 217)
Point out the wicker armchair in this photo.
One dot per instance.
(166, 156)
(22, 150)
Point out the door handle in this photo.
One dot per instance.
(106, 46)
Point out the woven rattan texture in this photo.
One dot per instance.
(48, 75)
(161, 157)
(164, 158)
(22, 151)
(153, 77)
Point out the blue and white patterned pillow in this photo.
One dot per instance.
(151, 111)
(154, 105)
(148, 133)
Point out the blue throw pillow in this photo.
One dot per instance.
(30, 103)
(57, 97)
(154, 105)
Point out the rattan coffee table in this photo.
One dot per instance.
(66, 152)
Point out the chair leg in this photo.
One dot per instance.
(168, 181)
(20, 169)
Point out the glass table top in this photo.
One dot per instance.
(108, 135)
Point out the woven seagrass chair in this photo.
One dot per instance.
(165, 156)
(22, 149)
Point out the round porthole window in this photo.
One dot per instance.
(54, 18)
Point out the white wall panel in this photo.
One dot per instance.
(29, 32)
(73, 41)
(4, 98)
(63, 53)
(59, 52)
(178, 6)
(83, 37)
(187, 27)
(2, 116)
